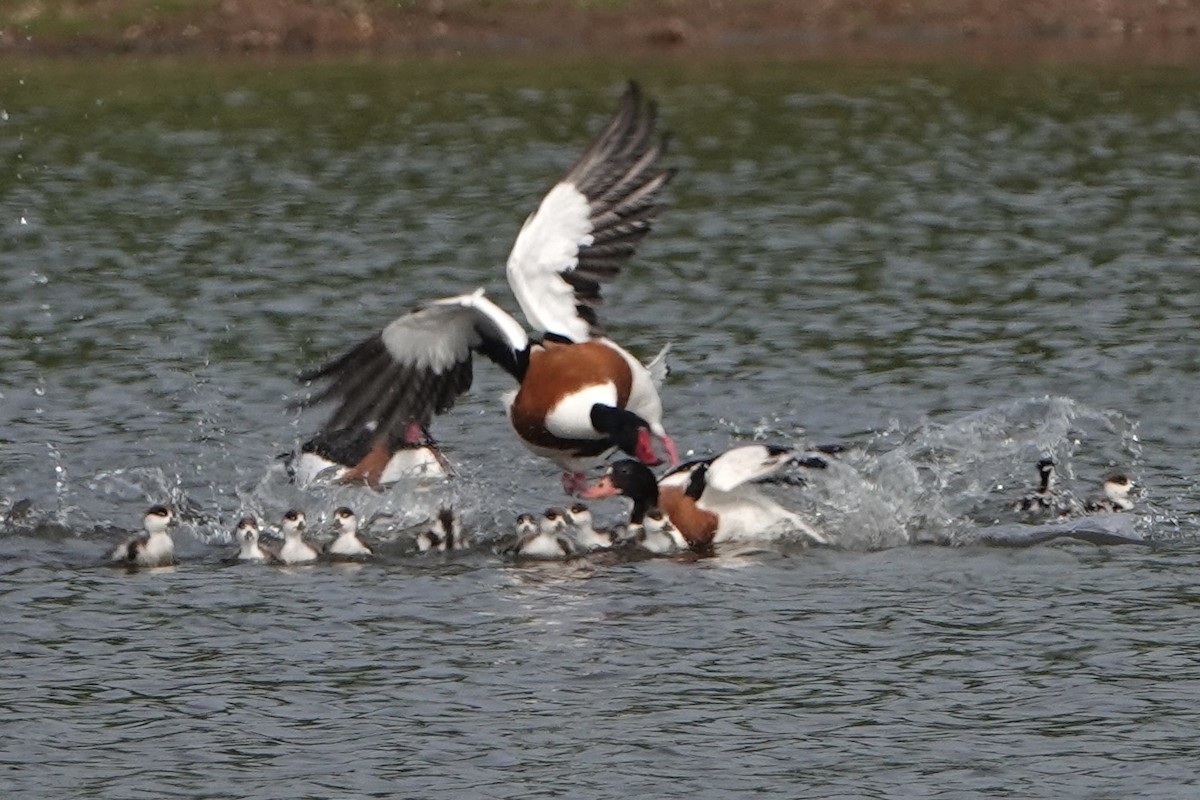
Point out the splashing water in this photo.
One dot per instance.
(955, 483)
(948, 483)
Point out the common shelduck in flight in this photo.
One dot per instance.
(580, 394)
(710, 501)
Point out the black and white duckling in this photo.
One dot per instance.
(443, 533)
(658, 535)
(295, 550)
(526, 524)
(1045, 500)
(549, 540)
(249, 549)
(155, 547)
(347, 543)
(587, 537)
(1117, 489)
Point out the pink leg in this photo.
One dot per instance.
(574, 482)
(414, 434)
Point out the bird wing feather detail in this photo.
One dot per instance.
(590, 223)
(417, 366)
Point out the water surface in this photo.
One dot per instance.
(953, 273)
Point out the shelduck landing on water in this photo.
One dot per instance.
(580, 395)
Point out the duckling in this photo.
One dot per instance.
(443, 533)
(246, 535)
(1046, 500)
(1117, 489)
(549, 541)
(347, 544)
(295, 550)
(155, 547)
(587, 537)
(658, 535)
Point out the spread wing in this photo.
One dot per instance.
(749, 462)
(590, 223)
(417, 366)
(731, 469)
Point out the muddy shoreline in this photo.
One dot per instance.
(1163, 31)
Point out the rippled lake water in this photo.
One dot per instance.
(953, 272)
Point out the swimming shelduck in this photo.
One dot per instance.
(1045, 500)
(580, 394)
(657, 535)
(526, 524)
(1117, 489)
(549, 540)
(295, 550)
(711, 501)
(579, 516)
(348, 542)
(246, 535)
(155, 547)
(361, 456)
(443, 534)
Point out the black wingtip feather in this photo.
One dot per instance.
(621, 177)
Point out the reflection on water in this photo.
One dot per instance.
(951, 274)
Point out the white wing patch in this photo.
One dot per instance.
(547, 246)
(746, 463)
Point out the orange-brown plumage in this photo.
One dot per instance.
(697, 525)
(558, 370)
